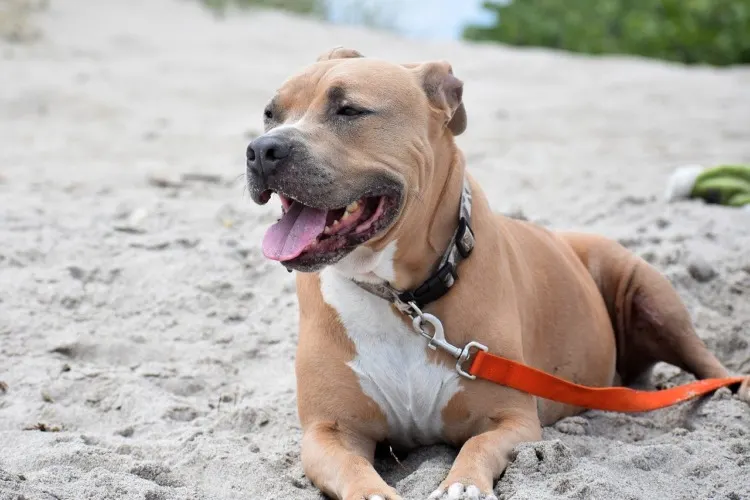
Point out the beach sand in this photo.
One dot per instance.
(147, 347)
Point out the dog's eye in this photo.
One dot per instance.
(349, 111)
(268, 114)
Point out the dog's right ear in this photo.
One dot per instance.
(339, 53)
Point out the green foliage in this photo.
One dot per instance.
(371, 14)
(690, 31)
(313, 7)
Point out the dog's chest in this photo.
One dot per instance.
(391, 363)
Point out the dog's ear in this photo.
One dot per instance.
(339, 53)
(445, 92)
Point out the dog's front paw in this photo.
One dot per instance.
(374, 495)
(459, 491)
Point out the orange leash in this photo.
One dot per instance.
(538, 383)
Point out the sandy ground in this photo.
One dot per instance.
(146, 346)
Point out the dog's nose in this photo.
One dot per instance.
(265, 154)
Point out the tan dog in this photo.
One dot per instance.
(362, 155)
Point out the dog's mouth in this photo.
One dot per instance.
(311, 234)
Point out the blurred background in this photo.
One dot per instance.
(146, 345)
(715, 32)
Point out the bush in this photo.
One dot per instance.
(690, 31)
(312, 7)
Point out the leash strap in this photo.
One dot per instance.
(445, 276)
(505, 371)
(621, 399)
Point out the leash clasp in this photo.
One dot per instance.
(466, 355)
(437, 339)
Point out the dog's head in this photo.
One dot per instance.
(349, 144)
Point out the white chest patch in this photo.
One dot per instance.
(391, 363)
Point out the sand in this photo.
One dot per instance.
(146, 346)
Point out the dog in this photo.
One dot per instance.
(374, 193)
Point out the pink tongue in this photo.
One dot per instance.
(289, 237)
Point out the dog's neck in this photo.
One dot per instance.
(433, 218)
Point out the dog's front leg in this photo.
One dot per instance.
(485, 456)
(339, 462)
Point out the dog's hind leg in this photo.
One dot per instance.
(650, 321)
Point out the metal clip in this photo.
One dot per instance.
(464, 357)
(409, 308)
(437, 340)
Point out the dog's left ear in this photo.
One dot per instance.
(339, 53)
(445, 92)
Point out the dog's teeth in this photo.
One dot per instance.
(352, 207)
(332, 227)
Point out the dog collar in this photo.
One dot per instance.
(446, 274)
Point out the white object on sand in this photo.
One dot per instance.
(682, 181)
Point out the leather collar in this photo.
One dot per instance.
(444, 276)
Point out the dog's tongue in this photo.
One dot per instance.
(298, 227)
